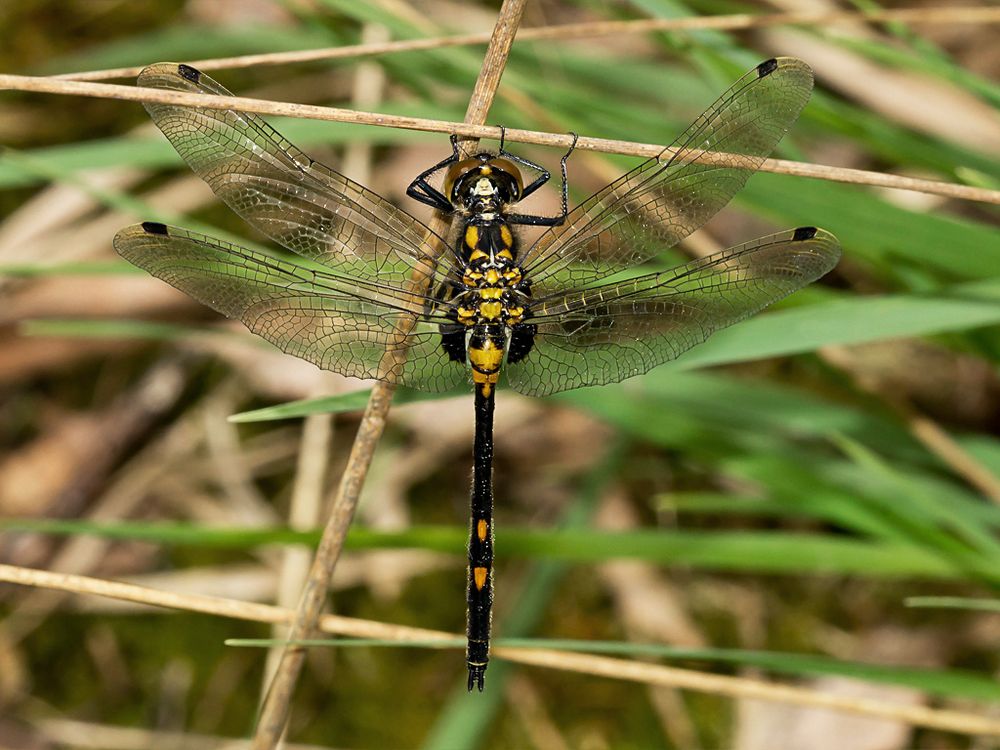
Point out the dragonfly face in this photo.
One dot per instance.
(483, 186)
(379, 298)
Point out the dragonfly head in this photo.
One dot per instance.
(483, 182)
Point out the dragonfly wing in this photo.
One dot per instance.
(656, 205)
(614, 331)
(296, 201)
(334, 322)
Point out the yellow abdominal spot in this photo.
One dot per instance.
(487, 359)
(481, 528)
(485, 381)
(479, 575)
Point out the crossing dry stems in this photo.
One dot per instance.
(476, 130)
(962, 722)
(277, 703)
(586, 30)
(308, 616)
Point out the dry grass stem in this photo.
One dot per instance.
(931, 434)
(938, 441)
(530, 709)
(478, 130)
(274, 713)
(307, 504)
(305, 512)
(277, 702)
(136, 411)
(82, 734)
(301, 617)
(613, 668)
(958, 15)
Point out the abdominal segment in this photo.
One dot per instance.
(486, 350)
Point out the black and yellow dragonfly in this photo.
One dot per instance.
(377, 294)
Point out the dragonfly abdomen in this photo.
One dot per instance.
(490, 306)
(480, 575)
(486, 349)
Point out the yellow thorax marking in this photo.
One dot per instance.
(506, 236)
(490, 310)
(492, 276)
(472, 235)
(491, 292)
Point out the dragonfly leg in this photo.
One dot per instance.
(421, 190)
(565, 182)
(543, 176)
(545, 221)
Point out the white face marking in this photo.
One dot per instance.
(483, 187)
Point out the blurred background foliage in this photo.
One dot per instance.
(764, 506)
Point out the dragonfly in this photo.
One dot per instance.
(373, 292)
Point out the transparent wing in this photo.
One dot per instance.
(340, 324)
(653, 207)
(617, 330)
(299, 203)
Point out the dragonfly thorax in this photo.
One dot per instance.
(494, 297)
(494, 293)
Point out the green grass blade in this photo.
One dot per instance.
(745, 552)
(344, 402)
(942, 682)
(954, 602)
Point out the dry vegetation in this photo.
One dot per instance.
(766, 516)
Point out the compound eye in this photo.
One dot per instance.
(507, 167)
(456, 172)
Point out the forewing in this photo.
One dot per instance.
(612, 332)
(653, 207)
(299, 203)
(333, 322)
